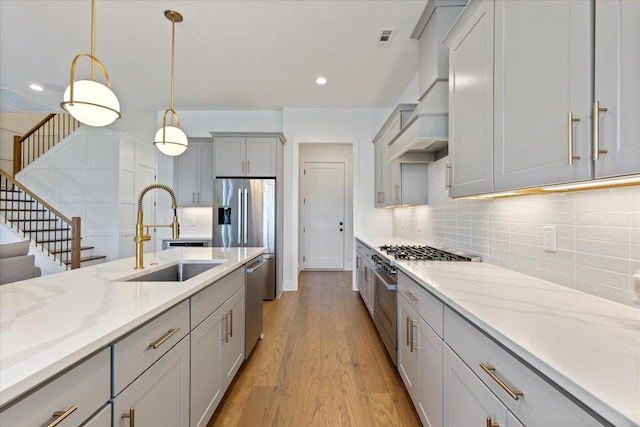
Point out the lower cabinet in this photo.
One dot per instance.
(160, 396)
(102, 418)
(419, 356)
(69, 400)
(467, 401)
(217, 343)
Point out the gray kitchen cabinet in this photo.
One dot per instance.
(193, 174)
(364, 275)
(536, 111)
(617, 87)
(238, 156)
(420, 348)
(527, 395)
(470, 168)
(69, 399)
(467, 401)
(160, 395)
(217, 343)
(389, 174)
(542, 82)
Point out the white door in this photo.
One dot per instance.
(324, 222)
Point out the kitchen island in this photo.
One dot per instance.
(50, 323)
(584, 346)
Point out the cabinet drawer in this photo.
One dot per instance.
(85, 386)
(428, 306)
(133, 354)
(209, 299)
(541, 403)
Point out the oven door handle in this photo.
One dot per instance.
(393, 287)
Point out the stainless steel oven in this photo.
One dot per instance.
(386, 285)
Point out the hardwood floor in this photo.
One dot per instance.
(321, 363)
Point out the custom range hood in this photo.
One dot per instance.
(426, 134)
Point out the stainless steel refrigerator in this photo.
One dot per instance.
(244, 215)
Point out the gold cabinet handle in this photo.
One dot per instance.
(193, 197)
(231, 323)
(413, 347)
(447, 173)
(226, 327)
(166, 336)
(248, 166)
(596, 130)
(132, 416)
(243, 166)
(491, 424)
(61, 415)
(397, 192)
(570, 121)
(407, 338)
(380, 196)
(489, 370)
(411, 296)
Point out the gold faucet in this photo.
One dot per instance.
(141, 237)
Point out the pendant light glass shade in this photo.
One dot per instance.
(174, 142)
(170, 139)
(90, 102)
(93, 104)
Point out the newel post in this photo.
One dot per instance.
(75, 242)
(17, 154)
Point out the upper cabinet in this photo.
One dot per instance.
(617, 88)
(193, 174)
(246, 156)
(395, 183)
(542, 93)
(471, 101)
(522, 109)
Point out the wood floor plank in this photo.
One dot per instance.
(321, 363)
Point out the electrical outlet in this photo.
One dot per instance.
(549, 238)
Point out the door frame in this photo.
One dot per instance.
(330, 152)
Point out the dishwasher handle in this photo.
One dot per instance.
(258, 265)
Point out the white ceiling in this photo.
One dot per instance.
(230, 55)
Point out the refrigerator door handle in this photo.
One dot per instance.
(239, 217)
(245, 224)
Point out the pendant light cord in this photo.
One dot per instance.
(93, 40)
(173, 53)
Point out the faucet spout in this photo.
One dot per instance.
(141, 236)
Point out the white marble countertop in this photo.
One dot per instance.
(49, 323)
(587, 345)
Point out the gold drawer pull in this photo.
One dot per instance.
(491, 424)
(161, 341)
(411, 296)
(570, 121)
(489, 370)
(61, 415)
(132, 417)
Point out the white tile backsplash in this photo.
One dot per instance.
(598, 234)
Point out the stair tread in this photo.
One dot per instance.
(30, 219)
(44, 230)
(59, 251)
(54, 240)
(89, 258)
(2, 199)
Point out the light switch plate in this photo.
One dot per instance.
(549, 238)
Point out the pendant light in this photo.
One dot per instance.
(90, 102)
(170, 139)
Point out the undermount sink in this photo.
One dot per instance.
(184, 270)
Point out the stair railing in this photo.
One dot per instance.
(35, 219)
(42, 137)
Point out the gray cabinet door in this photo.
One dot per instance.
(261, 157)
(617, 86)
(542, 74)
(230, 156)
(471, 102)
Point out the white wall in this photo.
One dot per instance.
(598, 233)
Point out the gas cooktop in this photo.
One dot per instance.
(426, 253)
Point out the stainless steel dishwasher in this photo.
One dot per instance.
(256, 278)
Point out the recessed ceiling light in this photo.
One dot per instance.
(36, 87)
(321, 81)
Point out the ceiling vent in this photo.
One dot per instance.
(386, 34)
(22, 102)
